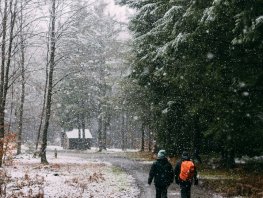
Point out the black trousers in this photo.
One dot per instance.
(185, 189)
(161, 191)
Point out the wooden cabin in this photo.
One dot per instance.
(76, 139)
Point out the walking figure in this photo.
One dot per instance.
(162, 173)
(185, 174)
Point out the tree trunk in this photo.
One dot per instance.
(22, 99)
(79, 126)
(50, 83)
(11, 38)
(83, 131)
(104, 133)
(44, 98)
(11, 108)
(123, 145)
(230, 162)
(126, 131)
(143, 136)
(150, 139)
(228, 158)
(2, 107)
(197, 141)
(102, 136)
(83, 124)
(100, 133)
(5, 67)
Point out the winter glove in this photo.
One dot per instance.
(149, 181)
(196, 182)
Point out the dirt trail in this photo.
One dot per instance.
(139, 170)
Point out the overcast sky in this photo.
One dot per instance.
(121, 12)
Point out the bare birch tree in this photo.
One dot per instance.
(8, 24)
(50, 81)
(2, 78)
(22, 65)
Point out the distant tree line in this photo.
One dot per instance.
(199, 65)
(21, 38)
(92, 68)
(56, 68)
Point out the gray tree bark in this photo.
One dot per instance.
(5, 64)
(50, 83)
(22, 98)
(143, 136)
(44, 97)
(2, 81)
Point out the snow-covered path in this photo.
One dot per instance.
(139, 170)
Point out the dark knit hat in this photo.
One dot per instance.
(185, 155)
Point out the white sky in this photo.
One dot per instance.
(121, 12)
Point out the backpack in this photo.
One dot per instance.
(187, 171)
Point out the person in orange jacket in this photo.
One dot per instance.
(185, 174)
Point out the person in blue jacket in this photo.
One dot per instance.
(162, 173)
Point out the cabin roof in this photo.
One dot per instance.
(75, 134)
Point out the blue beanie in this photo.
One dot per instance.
(161, 154)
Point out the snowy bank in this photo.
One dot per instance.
(69, 177)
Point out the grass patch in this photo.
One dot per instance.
(230, 184)
(117, 170)
(121, 179)
(245, 180)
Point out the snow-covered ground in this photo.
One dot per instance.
(93, 149)
(65, 177)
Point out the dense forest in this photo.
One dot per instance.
(181, 75)
(198, 65)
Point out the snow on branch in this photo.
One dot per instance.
(208, 15)
(147, 9)
(169, 16)
(181, 37)
(259, 21)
